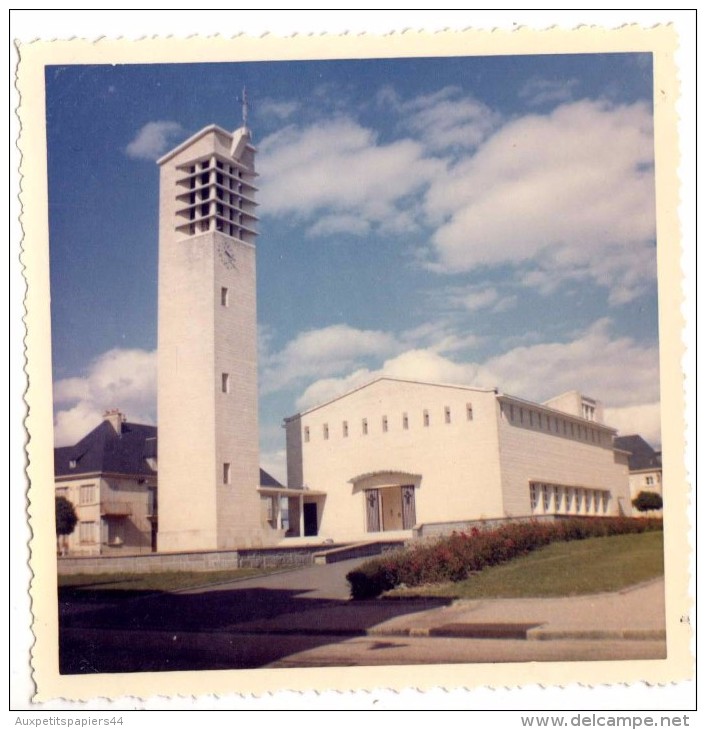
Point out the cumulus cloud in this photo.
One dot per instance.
(327, 351)
(280, 110)
(538, 91)
(444, 120)
(125, 379)
(642, 419)
(336, 176)
(569, 194)
(152, 140)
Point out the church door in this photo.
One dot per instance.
(372, 509)
(409, 511)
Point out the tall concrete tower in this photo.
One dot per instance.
(207, 354)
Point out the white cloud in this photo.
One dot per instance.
(570, 194)
(125, 379)
(445, 119)
(539, 91)
(323, 352)
(642, 419)
(280, 110)
(152, 140)
(335, 172)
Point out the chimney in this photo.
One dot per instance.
(115, 418)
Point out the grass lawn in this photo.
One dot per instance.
(167, 581)
(593, 565)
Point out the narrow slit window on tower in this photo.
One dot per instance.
(345, 429)
(469, 411)
(225, 383)
(447, 414)
(365, 426)
(306, 434)
(325, 431)
(426, 417)
(405, 421)
(384, 424)
(224, 296)
(226, 473)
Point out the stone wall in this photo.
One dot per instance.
(196, 561)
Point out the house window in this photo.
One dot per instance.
(558, 498)
(365, 426)
(87, 494)
(469, 412)
(426, 418)
(649, 481)
(226, 473)
(531, 417)
(345, 429)
(522, 415)
(87, 532)
(62, 492)
(569, 499)
(325, 431)
(306, 434)
(447, 414)
(405, 421)
(512, 412)
(72, 463)
(225, 383)
(579, 500)
(224, 296)
(384, 424)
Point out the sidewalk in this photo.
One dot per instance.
(633, 613)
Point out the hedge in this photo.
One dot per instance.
(459, 555)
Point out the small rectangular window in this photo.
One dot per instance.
(87, 494)
(226, 473)
(87, 532)
(384, 424)
(447, 415)
(225, 383)
(365, 426)
(426, 418)
(405, 421)
(224, 296)
(325, 431)
(469, 412)
(306, 434)
(345, 429)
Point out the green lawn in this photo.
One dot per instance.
(167, 581)
(594, 565)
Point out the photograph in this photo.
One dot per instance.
(355, 362)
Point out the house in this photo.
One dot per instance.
(396, 454)
(645, 466)
(110, 476)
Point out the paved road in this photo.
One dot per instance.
(305, 618)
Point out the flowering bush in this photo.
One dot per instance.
(457, 556)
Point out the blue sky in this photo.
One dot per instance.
(488, 221)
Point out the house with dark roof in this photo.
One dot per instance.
(110, 476)
(645, 465)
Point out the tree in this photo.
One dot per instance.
(646, 501)
(66, 518)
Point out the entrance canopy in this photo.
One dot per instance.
(384, 478)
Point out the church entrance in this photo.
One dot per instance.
(390, 508)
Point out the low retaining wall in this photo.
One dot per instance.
(357, 550)
(438, 529)
(273, 557)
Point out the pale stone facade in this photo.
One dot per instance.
(395, 454)
(207, 351)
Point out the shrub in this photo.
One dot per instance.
(646, 501)
(457, 556)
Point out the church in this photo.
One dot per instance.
(394, 456)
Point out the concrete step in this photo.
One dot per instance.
(365, 549)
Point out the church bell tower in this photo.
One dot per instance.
(207, 344)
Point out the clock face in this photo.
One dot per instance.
(226, 251)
